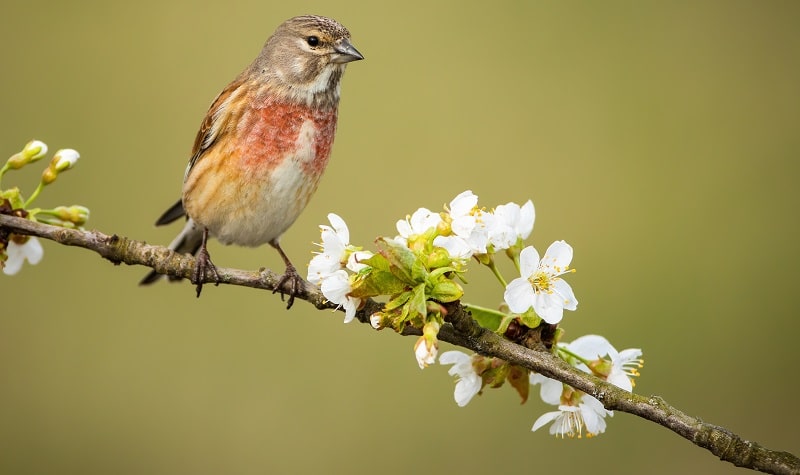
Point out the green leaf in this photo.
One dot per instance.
(376, 282)
(377, 261)
(493, 320)
(14, 197)
(439, 272)
(417, 305)
(446, 291)
(404, 264)
(504, 324)
(398, 301)
(530, 319)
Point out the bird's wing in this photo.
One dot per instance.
(221, 118)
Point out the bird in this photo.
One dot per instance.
(263, 147)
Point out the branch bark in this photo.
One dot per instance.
(460, 330)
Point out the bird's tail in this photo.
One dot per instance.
(187, 242)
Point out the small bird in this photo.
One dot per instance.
(263, 146)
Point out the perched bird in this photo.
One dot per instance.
(264, 145)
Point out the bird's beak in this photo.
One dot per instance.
(345, 52)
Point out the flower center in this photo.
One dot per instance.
(571, 425)
(542, 281)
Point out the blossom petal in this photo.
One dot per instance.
(557, 257)
(463, 203)
(15, 259)
(332, 243)
(590, 347)
(528, 261)
(354, 262)
(423, 219)
(425, 353)
(545, 419)
(336, 286)
(527, 216)
(31, 251)
(404, 228)
(469, 383)
(320, 266)
(454, 357)
(502, 232)
(466, 388)
(507, 214)
(620, 380)
(630, 354)
(463, 226)
(350, 306)
(34, 251)
(564, 293)
(340, 227)
(519, 295)
(478, 238)
(455, 246)
(550, 391)
(548, 306)
(502, 236)
(593, 414)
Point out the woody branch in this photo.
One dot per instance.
(460, 330)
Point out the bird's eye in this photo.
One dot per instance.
(312, 40)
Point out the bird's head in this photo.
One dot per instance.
(306, 57)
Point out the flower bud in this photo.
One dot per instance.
(417, 242)
(65, 159)
(447, 291)
(76, 214)
(427, 346)
(425, 352)
(439, 257)
(375, 321)
(33, 150)
(444, 228)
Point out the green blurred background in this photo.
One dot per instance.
(659, 139)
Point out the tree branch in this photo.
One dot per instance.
(460, 330)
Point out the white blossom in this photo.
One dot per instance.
(468, 383)
(624, 364)
(335, 239)
(572, 421)
(540, 285)
(511, 224)
(336, 287)
(418, 223)
(17, 254)
(469, 225)
(425, 352)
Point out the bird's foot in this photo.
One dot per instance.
(203, 263)
(295, 283)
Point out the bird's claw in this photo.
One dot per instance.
(203, 263)
(295, 284)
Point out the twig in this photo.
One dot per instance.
(461, 330)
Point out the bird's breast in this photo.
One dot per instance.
(250, 187)
(278, 132)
